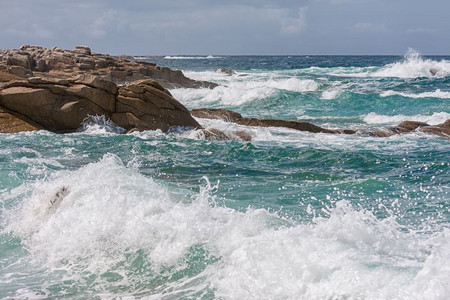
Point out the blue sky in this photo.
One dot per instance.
(265, 27)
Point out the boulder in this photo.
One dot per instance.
(82, 50)
(146, 105)
(61, 105)
(21, 60)
(20, 71)
(440, 129)
(408, 126)
(214, 134)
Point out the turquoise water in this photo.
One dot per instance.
(290, 215)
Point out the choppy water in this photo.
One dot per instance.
(290, 215)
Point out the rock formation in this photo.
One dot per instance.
(226, 71)
(33, 61)
(404, 127)
(61, 105)
(234, 117)
(413, 126)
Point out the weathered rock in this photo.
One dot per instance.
(408, 126)
(61, 105)
(83, 50)
(217, 113)
(41, 66)
(234, 117)
(151, 107)
(440, 129)
(20, 71)
(214, 134)
(19, 60)
(404, 127)
(12, 124)
(5, 77)
(31, 61)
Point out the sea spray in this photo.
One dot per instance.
(414, 66)
(289, 215)
(104, 218)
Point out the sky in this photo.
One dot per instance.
(235, 27)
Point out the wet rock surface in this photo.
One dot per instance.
(442, 130)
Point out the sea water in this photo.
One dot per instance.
(290, 215)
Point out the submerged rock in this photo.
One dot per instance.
(228, 72)
(234, 117)
(404, 127)
(214, 134)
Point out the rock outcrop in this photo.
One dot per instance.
(61, 105)
(146, 105)
(9, 123)
(234, 117)
(33, 61)
(442, 130)
(414, 126)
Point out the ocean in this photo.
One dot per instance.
(289, 215)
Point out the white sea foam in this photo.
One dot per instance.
(88, 221)
(236, 91)
(414, 66)
(99, 124)
(434, 119)
(192, 57)
(436, 94)
(331, 94)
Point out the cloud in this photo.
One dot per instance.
(98, 28)
(421, 31)
(294, 25)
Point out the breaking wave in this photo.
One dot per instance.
(434, 119)
(413, 66)
(192, 57)
(104, 220)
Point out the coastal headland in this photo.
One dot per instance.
(56, 90)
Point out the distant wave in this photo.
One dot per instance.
(436, 94)
(434, 119)
(141, 57)
(413, 66)
(192, 57)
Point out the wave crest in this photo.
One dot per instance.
(414, 66)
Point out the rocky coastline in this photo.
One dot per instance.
(442, 130)
(34, 61)
(56, 90)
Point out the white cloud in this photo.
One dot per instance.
(99, 27)
(421, 31)
(294, 25)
